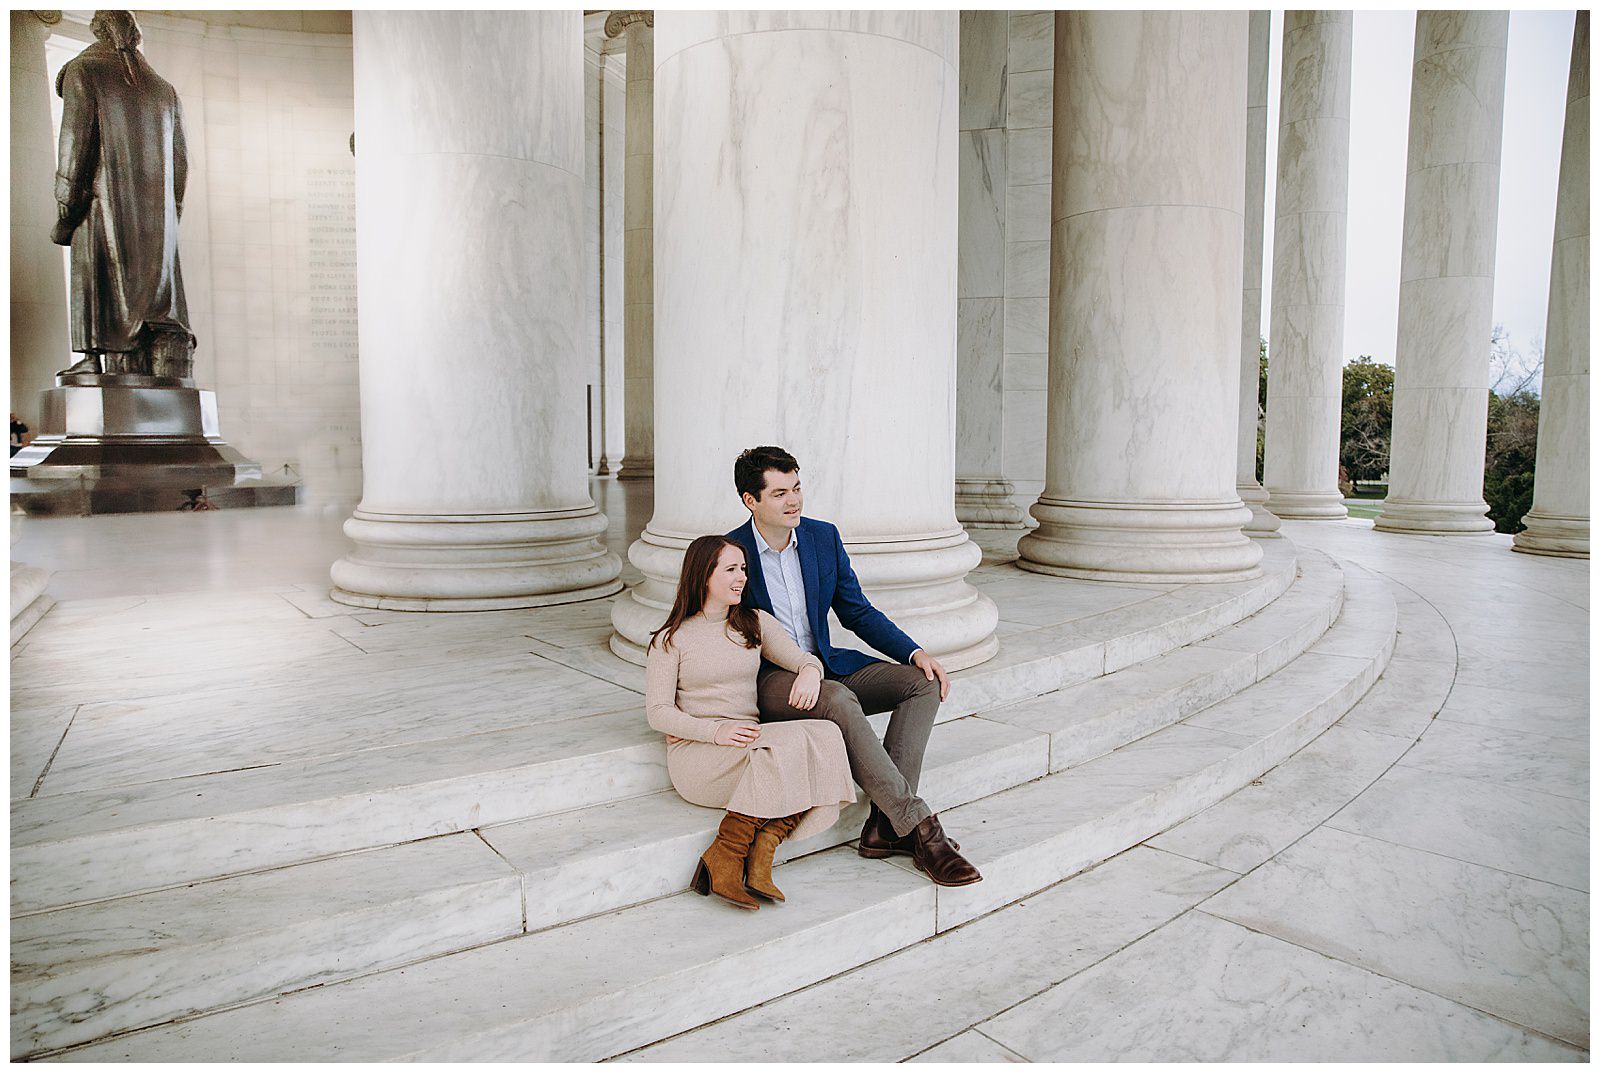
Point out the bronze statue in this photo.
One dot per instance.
(120, 179)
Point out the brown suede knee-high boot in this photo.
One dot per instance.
(721, 868)
(758, 868)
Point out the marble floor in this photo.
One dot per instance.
(1350, 905)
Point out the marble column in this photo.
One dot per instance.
(1146, 264)
(1262, 523)
(638, 245)
(469, 255)
(39, 342)
(1441, 362)
(1305, 346)
(983, 495)
(806, 240)
(1558, 524)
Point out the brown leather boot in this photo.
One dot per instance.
(721, 868)
(758, 866)
(878, 839)
(937, 859)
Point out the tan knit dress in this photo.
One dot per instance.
(703, 679)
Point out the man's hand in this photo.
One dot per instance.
(741, 735)
(61, 233)
(807, 686)
(931, 669)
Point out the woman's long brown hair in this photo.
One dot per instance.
(699, 563)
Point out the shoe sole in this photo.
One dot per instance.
(943, 883)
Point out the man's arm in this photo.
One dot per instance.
(858, 615)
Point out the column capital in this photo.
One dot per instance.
(618, 21)
(49, 18)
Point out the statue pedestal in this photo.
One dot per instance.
(115, 444)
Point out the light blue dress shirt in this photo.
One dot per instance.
(787, 588)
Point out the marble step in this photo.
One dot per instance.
(954, 981)
(111, 966)
(83, 846)
(81, 974)
(604, 857)
(614, 982)
(1091, 718)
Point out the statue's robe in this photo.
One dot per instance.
(120, 179)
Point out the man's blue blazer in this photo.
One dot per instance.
(830, 582)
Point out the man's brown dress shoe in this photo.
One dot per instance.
(936, 858)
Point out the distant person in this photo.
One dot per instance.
(19, 434)
(798, 572)
(783, 781)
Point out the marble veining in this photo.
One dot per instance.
(1504, 944)
(1202, 989)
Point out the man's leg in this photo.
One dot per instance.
(914, 700)
(870, 763)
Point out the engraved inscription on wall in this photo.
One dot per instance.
(331, 221)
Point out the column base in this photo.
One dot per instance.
(1141, 542)
(919, 584)
(474, 562)
(636, 469)
(1309, 506)
(1566, 536)
(987, 504)
(1433, 518)
(1263, 524)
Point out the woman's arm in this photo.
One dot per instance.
(778, 647)
(661, 697)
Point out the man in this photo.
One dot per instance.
(797, 570)
(120, 182)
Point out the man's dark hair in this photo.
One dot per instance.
(750, 468)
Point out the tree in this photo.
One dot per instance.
(1508, 462)
(1366, 417)
(1261, 415)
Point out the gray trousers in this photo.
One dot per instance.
(888, 770)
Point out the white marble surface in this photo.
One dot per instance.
(229, 729)
(1206, 990)
(1557, 766)
(1517, 709)
(969, 1047)
(1308, 267)
(97, 844)
(1035, 835)
(1267, 816)
(1447, 274)
(960, 977)
(1559, 521)
(1525, 832)
(80, 974)
(502, 1002)
(1131, 490)
(435, 525)
(1510, 946)
(1092, 718)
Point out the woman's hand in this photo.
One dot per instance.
(807, 685)
(740, 735)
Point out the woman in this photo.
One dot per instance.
(776, 780)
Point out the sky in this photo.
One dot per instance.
(1537, 58)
